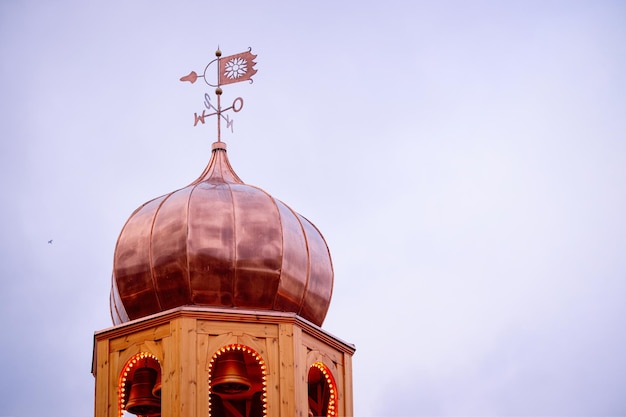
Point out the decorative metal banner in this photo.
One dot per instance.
(230, 69)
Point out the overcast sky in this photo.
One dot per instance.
(465, 161)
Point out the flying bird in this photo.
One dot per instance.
(50, 241)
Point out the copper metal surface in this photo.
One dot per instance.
(219, 242)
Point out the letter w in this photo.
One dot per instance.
(198, 118)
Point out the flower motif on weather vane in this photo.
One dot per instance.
(236, 68)
(230, 69)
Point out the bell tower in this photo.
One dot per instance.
(218, 295)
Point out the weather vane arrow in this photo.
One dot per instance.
(230, 69)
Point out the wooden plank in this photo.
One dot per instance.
(300, 374)
(115, 369)
(188, 367)
(348, 399)
(202, 341)
(216, 342)
(154, 333)
(102, 378)
(239, 328)
(330, 351)
(171, 392)
(286, 374)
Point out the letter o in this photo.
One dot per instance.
(240, 101)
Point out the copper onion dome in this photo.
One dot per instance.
(221, 243)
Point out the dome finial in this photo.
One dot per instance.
(230, 69)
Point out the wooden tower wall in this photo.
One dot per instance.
(183, 340)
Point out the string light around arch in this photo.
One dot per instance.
(128, 370)
(332, 388)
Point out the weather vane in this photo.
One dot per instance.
(230, 69)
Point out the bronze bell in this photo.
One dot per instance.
(156, 390)
(141, 402)
(230, 375)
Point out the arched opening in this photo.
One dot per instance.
(237, 383)
(322, 391)
(139, 386)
